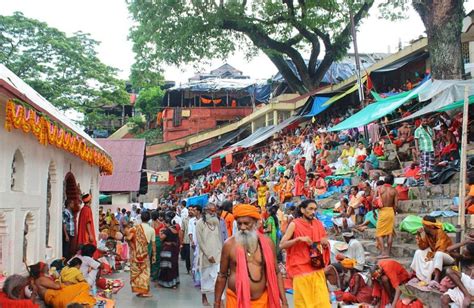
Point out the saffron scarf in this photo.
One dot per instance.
(242, 281)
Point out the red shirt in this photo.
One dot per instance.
(299, 262)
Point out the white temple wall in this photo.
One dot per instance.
(26, 202)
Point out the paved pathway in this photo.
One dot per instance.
(186, 296)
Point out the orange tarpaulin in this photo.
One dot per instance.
(210, 101)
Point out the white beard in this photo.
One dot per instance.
(212, 220)
(247, 239)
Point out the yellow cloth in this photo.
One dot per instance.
(231, 300)
(348, 152)
(349, 263)
(75, 293)
(385, 222)
(311, 291)
(262, 196)
(71, 275)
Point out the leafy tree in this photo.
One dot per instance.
(177, 32)
(149, 101)
(443, 24)
(64, 69)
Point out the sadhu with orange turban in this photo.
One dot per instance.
(246, 210)
(248, 243)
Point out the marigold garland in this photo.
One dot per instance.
(47, 132)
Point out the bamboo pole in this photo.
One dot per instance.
(462, 174)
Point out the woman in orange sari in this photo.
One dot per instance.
(57, 295)
(139, 257)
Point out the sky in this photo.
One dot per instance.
(108, 22)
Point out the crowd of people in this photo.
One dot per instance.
(258, 231)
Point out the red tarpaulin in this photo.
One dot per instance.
(216, 164)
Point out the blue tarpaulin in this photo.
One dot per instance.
(198, 200)
(317, 106)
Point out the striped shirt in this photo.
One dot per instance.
(425, 139)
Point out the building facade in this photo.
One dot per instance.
(39, 170)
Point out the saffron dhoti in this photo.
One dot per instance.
(261, 302)
(311, 291)
(385, 222)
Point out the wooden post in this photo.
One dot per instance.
(462, 174)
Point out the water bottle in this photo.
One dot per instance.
(333, 300)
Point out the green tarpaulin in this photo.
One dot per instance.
(377, 96)
(458, 104)
(379, 109)
(413, 223)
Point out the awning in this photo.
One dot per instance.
(401, 63)
(272, 131)
(458, 104)
(443, 93)
(188, 158)
(318, 106)
(250, 139)
(335, 98)
(379, 109)
(258, 136)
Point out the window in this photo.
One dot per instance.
(17, 177)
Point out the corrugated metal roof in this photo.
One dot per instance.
(127, 155)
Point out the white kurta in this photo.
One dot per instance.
(425, 269)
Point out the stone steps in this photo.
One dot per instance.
(424, 206)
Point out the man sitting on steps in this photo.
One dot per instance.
(432, 255)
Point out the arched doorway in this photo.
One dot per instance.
(71, 191)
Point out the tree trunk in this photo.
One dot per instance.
(443, 23)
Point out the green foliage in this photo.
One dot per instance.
(177, 32)
(149, 102)
(137, 124)
(152, 136)
(64, 69)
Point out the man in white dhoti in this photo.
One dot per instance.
(432, 255)
(210, 247)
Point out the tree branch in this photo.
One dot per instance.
(294, 40)
(263, 41)
(341, 43)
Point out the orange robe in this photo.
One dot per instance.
(396, 274)
(300, 179)
(85, 217)
(75, 293)
(229, 222)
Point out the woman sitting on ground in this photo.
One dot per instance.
(56, 295)
(72, 274)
